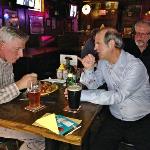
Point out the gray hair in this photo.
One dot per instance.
(142, 22)
(9, 33)
(112, 34)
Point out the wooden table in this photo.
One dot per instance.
(14, 116)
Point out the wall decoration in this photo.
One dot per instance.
(112, 5)
(36, 25)
(133, 10)
(37, 5)
(11, 18)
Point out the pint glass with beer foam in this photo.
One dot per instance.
(74, 93)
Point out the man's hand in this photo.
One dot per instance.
(88, 61)
(25, 81)
(66, 93)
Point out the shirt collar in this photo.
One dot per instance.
(3, 61)
(121, 62)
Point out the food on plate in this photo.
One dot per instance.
(47, 88)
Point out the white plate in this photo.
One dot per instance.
(54, 80)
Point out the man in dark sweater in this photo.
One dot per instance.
(89, 45)
(140, 45)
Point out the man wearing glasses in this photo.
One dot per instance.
(140, 46)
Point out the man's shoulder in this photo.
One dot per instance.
(129, 42)
(131, 47)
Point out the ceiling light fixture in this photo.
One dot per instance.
(86, 9)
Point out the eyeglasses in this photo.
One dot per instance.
(141, 34)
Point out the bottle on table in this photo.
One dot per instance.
(60, 71)
(70, 79)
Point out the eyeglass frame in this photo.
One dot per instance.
(141, 34)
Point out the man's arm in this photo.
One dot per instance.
(8, 93)
(133, 80)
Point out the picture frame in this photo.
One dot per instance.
(36, 24)
(133, 10)
(11, 19)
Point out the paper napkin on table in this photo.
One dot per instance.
(49, 122)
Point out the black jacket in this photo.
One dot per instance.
(131, 47)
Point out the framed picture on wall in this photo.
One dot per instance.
(11, 18)
(36, 25)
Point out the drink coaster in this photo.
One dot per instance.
(72, 111)
(35, 109)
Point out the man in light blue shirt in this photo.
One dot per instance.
(128, 94)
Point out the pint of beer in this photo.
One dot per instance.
(33, 93)
(74, 93)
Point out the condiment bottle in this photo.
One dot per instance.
(60, 71)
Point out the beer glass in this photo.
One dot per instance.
(74, 93)
(33, 94)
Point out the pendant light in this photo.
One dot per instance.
(86, 9)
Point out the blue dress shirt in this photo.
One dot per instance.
(128, 94)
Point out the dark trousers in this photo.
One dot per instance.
(51, 144)
(113, 131)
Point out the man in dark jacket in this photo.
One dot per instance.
(140, 45)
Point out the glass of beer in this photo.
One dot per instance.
(74, 93)
(33, 94)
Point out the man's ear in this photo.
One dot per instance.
(111, 44)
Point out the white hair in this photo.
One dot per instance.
(9, 33)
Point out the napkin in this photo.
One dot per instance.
(48, 122)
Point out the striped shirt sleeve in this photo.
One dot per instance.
(8, 93)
